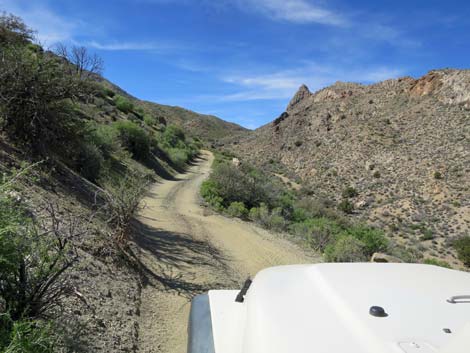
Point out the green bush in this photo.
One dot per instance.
(105, 137)
(25, 336)
(90, 161)
(346, 249)
(462, 246)
(346, 206)
(437, 175)
(123, 104)
(133, 138)
(318, 232)
(173, 136)
(179, 157)
(150, 120)
(237, 209)
(109, 92)
(437, 262)
(35, 97)
(374, 240)
(350, 192)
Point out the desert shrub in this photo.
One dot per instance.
(318, 232)
(276, 221)
(346, 249)
(373, 239)
(90, 161)
(437, 175)
(349, 192)
(123, 199)
(298, 143)
(179, 157)
(123, 104)
(173, 136)
(13, 31)
(133, 138)
(260, 215)
(437, 262)
(105, 137)
(35, 99)
(427, 234)
(376, 174)
(34, 254)
(25, 336)
(109, 92)
(237, 209)
(241, 184)
(346, 206)
(150, 120)
(462, 246)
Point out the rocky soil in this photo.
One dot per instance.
(403, 144)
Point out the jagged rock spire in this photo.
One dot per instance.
(301, 94)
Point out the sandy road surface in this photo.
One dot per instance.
(186, 251)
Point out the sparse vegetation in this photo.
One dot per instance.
(234, 190)
(462, 246)
(123, 104)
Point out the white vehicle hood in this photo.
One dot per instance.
(324, 308)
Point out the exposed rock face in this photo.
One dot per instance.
(302, 94)
(404, 144)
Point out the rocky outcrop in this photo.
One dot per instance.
(302, 94)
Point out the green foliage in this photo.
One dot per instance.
(237, 209)
(242, 184)
(109, 92)
(462, 246)
(374, 240)
(13, 31)
(133, 138)
(437, 262)
(105, 137)
(427, 235)
(179, 157)
(173, 136)
(123, 104)
(346, 249)
(90, 161)
(35, 97)
(349, 192)
(150, 120)
(437, 175)
(25, 336)
(346, 206)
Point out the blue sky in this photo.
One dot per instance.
(243, 60)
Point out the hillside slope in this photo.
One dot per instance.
(402, 144)
(207, 127)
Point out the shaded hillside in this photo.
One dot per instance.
(402, 144)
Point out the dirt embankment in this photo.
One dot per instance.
(187, 250)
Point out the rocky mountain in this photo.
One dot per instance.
(402, 144)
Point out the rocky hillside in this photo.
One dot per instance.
(402, 144)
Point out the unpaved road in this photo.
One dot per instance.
(187, 250)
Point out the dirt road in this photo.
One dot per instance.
(187, 250)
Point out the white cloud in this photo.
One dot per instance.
(296, 11)
(122, 46)
(283, 84)
(51, 27)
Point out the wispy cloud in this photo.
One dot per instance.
(131, 46)
(296, 11)
(51, 27)
(283, 84)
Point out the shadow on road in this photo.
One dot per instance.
(174, 254)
